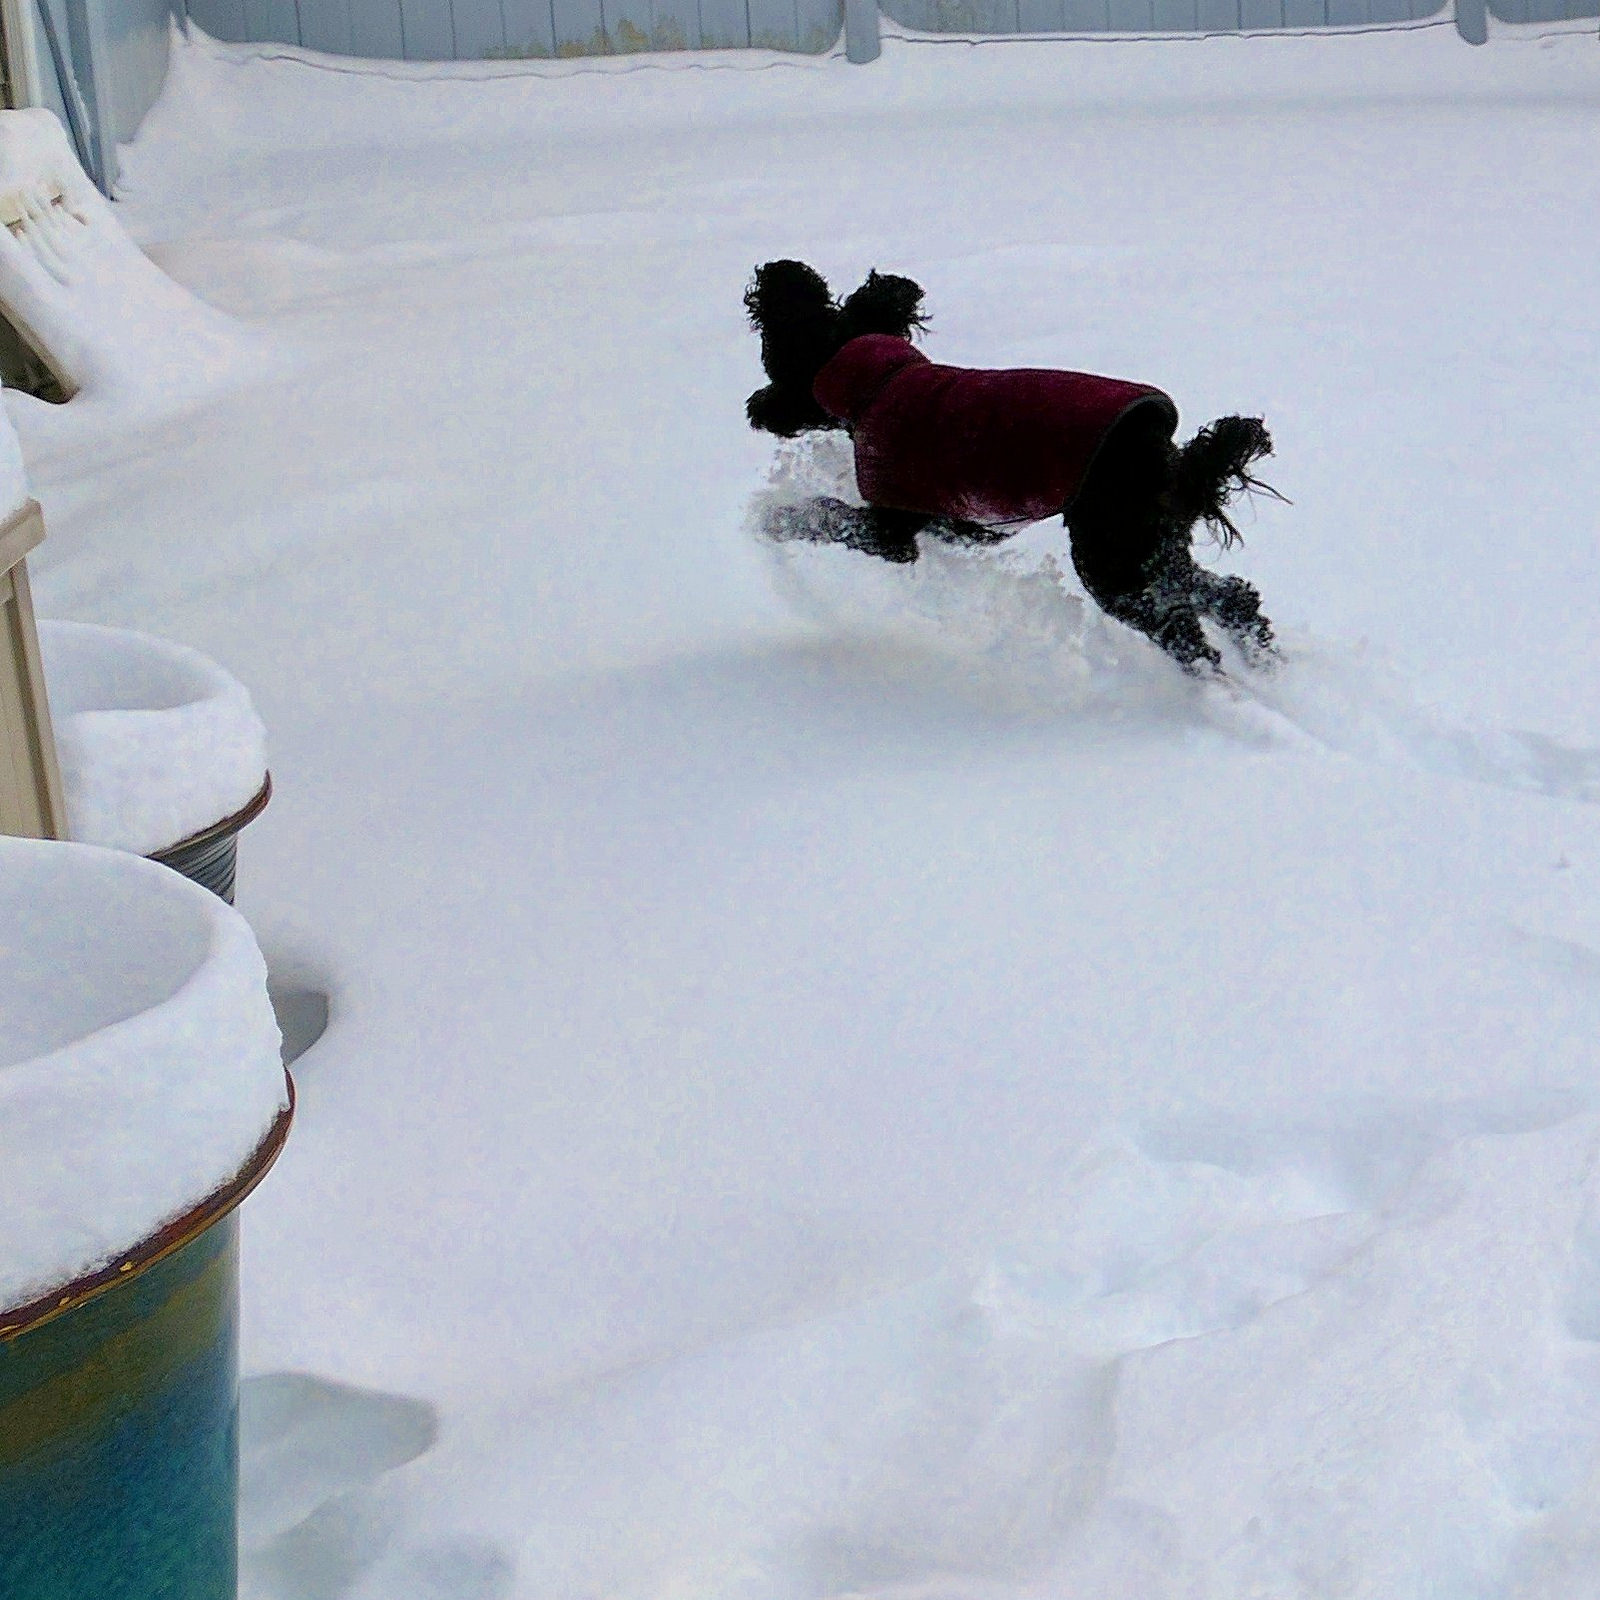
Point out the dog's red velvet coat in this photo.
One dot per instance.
(995, 447)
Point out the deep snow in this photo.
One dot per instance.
(861, 1082)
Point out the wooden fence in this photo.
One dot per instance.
(469, 30)
(511, 30)
(1153, 16)
(99, 64)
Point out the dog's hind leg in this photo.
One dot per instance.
(1236, 606)
(1150, 590)
(889, 535)
(1171, 622)
(1119, 519)
(1129, 557)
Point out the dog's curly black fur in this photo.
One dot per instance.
(803, 327)
(1131, 522)
(1213, 467)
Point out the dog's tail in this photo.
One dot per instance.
(1213, 467)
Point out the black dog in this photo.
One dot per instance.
(970, 455)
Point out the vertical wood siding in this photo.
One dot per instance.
(117, 49)
(471, 30)
(1186, 16)
(1543, 10)
(509, 30)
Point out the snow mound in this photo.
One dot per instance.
(103, 316)
(156, 741)
(139, 1064)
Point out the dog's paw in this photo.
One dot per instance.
(1182, 637)
(1251, 632)
(1235, 605)
(1174, 627)
(1258, 646)
(900, 551)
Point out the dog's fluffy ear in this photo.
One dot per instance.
(793, 309)
(785, 291)
(885, 303)
(785, 412)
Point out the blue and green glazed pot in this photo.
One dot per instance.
(119, 1406)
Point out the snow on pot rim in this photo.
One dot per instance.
(140, 1075)
(156, 742)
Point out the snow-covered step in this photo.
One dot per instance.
(92, 306)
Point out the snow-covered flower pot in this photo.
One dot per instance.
(141, 1098)
(161, 751)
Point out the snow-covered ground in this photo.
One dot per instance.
(851, 1082)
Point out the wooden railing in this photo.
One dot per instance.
(30, 780)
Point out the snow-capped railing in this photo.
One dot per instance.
(31, 800)
(30, 784)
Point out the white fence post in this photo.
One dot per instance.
(861, 31)
(1472, 21)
